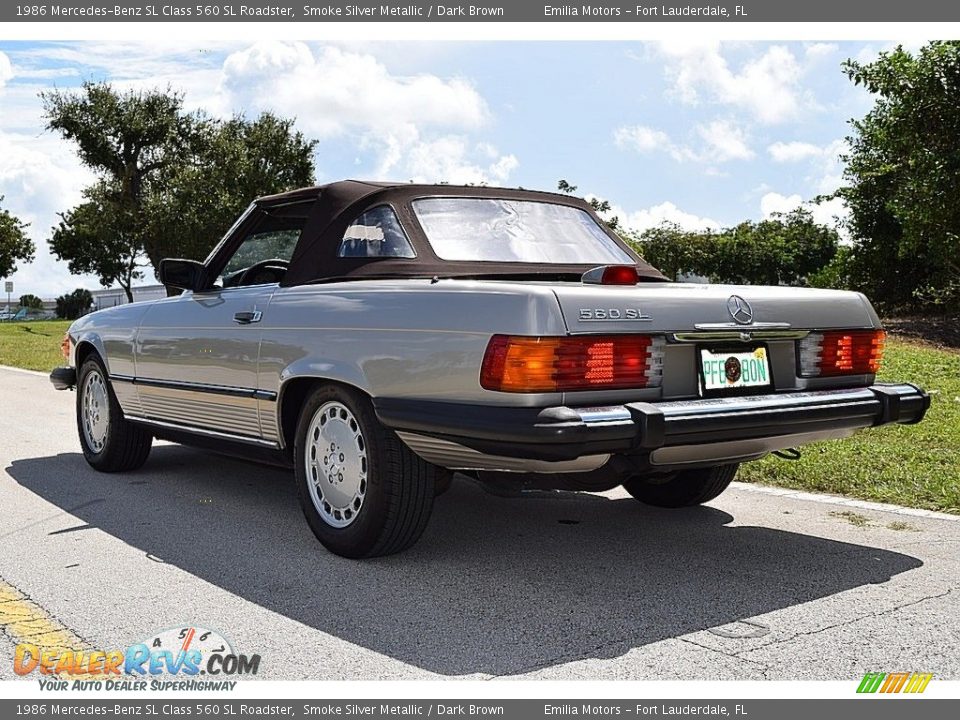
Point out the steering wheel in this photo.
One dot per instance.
(277, 265)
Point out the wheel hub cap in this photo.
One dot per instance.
(95, 411)
(336, 462)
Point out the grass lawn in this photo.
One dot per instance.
(915, 465)
(32, 345)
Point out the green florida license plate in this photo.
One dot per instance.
(732, 369)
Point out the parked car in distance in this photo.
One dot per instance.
(378, 337)
(28, 314)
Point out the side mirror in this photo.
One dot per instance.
(183, 274)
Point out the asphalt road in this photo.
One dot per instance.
(756, 585)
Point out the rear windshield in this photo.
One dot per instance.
(522, 231)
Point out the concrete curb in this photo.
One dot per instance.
(827, 499)
(25, 371)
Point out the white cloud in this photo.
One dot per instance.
(640, 220)
(830, 213)
(6, 70)
(335, 92)
(721, 141)
(332, 91)
(768, 87)
(455, 160)
(819, 50)
(786, 152)
(38, 180)
(724, 141)
(641, 138)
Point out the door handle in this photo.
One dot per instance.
(248, 316)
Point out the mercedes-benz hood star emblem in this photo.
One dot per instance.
(739, 310)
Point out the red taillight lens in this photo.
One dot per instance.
(555, 364)
(620, 275)
(841, 352)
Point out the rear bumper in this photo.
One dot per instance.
(564, 433)
(63, 378)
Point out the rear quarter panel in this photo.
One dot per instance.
(405, 338)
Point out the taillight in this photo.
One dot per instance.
(841, 352)
(65, 346)
(588, 362)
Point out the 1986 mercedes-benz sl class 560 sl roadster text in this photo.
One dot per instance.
(378, 337)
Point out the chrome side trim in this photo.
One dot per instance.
(458, 457)
(197, 387)
(194, 430)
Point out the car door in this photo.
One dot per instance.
(197, 353)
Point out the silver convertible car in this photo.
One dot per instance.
(378, 337)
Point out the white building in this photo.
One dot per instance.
(110, 297)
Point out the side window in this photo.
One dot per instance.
(376, 233)
(264, 253)
(260, 246)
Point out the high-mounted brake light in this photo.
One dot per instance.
(611, 275)
(556, 364)
(841, 352)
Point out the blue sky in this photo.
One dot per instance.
(702, 134)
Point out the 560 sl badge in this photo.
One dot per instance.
(600, 314)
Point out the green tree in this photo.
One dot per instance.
(14, 244)
(235, 161)
(98, 237)
(31, 301)
(903, 177)
(675, 252)
(781, 250)
(169, 182)
(75, 304)
(785, 249)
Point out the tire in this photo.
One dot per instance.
(375, 497)
(110, 442)
(684, 488)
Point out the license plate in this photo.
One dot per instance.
(733, 369)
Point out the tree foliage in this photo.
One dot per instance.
(235, 161)
(75, 304)
(14, 244)
(170, 182)
(903, 177)
(785, 249)
(99, 237)
(31, 301)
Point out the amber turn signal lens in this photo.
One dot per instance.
(65, 346)
(555, 364)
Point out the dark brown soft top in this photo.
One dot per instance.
(338, 204)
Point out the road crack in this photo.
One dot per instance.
(845, 623)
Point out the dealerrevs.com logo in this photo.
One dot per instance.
(183, 658)
(897, 682)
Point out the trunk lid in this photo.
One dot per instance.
(687, 307)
